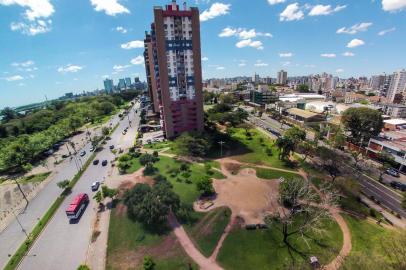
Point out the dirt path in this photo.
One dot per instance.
(187, 244)
(347, 245)
(227, 230)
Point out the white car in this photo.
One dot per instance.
(95, 186)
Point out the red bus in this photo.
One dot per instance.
(77, 206)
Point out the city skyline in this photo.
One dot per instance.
(308, 37)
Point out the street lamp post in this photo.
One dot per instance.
(221, 148)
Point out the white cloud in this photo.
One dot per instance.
(21, 84)
(139, 60)
(25, 64)
(386, 31)
(340, 70)
(355, 43)
(393, 5)
(259, 63)
(119, 68)
(216, 9)
(285, 55)
(274, 2)
(34, 8)
(105, 76)
(220, 68)
(133, 45)
(328, 55)
(32, 28)
(121, 29)
(291, 13)
(14, 78)
(356, 28)
(69, 69)
(242, 64)
(319, 10)
(242, 33)
(205, 59)
(228, 32)
(348, 54)
(110, 7)
(250, 43)
(310, 66)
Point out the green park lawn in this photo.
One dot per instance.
(256, 148)
(265, 249)
(184, 184)
(275, 174)
(159, 146)
(129, 242)
(367, 243)
(207, 229)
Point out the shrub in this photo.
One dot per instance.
(148, 263)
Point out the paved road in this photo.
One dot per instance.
(387, 197)
(63, 245)
(12, 234)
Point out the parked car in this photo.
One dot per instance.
(124, 132)
(111, 147)
(398, 185)
(104, 163)
(392, 172)
(82, 153)
(95, 162)
(95, 186)
(92, 149)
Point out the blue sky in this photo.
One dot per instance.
(50, 47)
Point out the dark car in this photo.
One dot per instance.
(392, 172)
(398, 185)
(111, 147)
(95, 162)
(83, 153)
(95, 186)
(104, 163)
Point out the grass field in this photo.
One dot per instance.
(367, 242)
(256, 148)
(208, 228)
(129, 242)
(184, 184)
(274, 174)
(264, 249)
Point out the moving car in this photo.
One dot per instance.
(82, 153)
(392, 172)
(95, 162)
(95, 186)
(111, 147)
(104, 163)
(92, 149)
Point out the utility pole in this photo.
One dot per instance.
(221, 148)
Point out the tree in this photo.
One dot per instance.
(83, 267)
(105, 131)
(285, 145)
(246, 127)
(205, 186)
(362, 123)
(147, 159)
(107, 107)
(98, 197)
(387, 161)
(302, 213)
(303, 88)
(330, 161)
(227, 99)
(148, 263)
(151, 206)
(8, 114)
(296, 134)
(192, 145)
(63, 184)
(306, 149)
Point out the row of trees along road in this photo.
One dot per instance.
(23, 138)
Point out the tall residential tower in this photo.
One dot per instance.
(173, 68)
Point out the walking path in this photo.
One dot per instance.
(227, 230)
(187, 244)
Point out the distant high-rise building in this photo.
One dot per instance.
(174, 74)
(121, 84)
(397, 86)
(282, 77)
(376, 82)
(127, 83)
(255, 78)
(108, 85)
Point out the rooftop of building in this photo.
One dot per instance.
(395, 122)
(302, 113)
